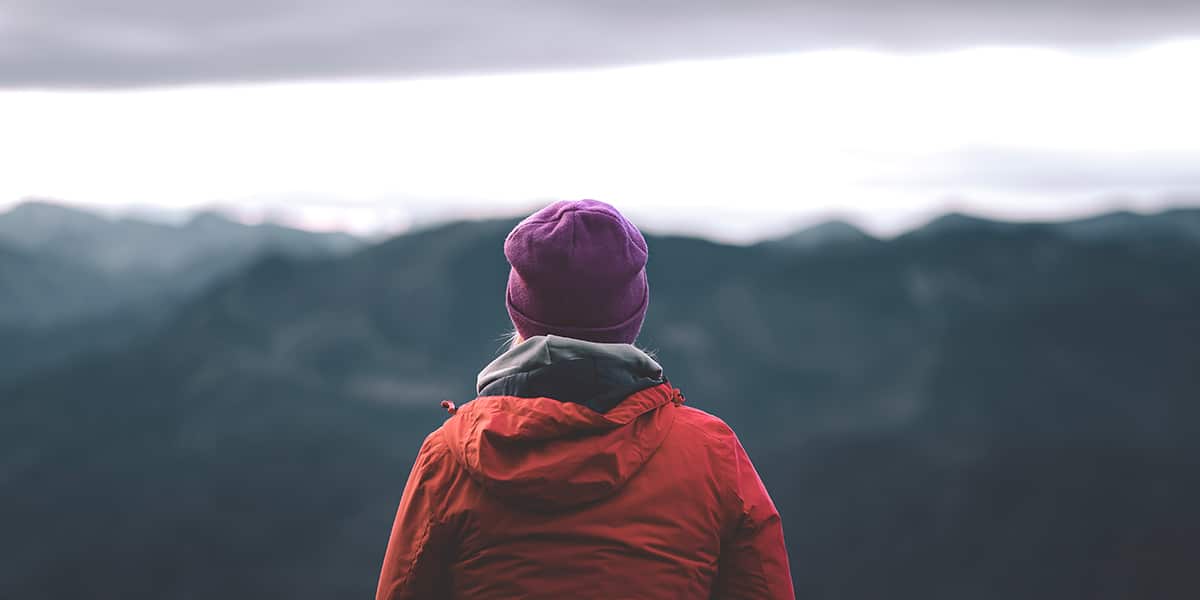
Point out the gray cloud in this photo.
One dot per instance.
(118, 43)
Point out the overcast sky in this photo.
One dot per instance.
(732, 119)
(105, 43)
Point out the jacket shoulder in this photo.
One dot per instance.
(436, 465)
(438, 472)
(704, 423)
(704, 434)
(435, 448)
(694, 427)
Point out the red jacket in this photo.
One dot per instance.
(538, 498)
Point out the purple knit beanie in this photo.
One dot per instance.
(579, 271)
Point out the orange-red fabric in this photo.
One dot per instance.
(537, 498)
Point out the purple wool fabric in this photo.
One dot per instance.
(579, 271)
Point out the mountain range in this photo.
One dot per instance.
(205, 241)
(974, 409)
(65, 270)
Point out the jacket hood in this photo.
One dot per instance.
(596, 375)
(540, 444)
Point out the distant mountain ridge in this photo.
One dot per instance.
(65, 270)
(1175, 224)
(129, 244)
(115, 263)
(835, 231)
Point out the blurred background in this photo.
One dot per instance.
(937, 263)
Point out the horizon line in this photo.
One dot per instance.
(183, 216)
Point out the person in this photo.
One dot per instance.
(578, 471)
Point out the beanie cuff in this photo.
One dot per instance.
(624, 332)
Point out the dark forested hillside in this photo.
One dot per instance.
(973, 410)
(40, 288)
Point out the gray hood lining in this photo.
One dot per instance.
(545, 350)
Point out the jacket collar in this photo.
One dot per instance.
(595, 375)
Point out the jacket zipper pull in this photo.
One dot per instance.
(449, 406)
(677, 396)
